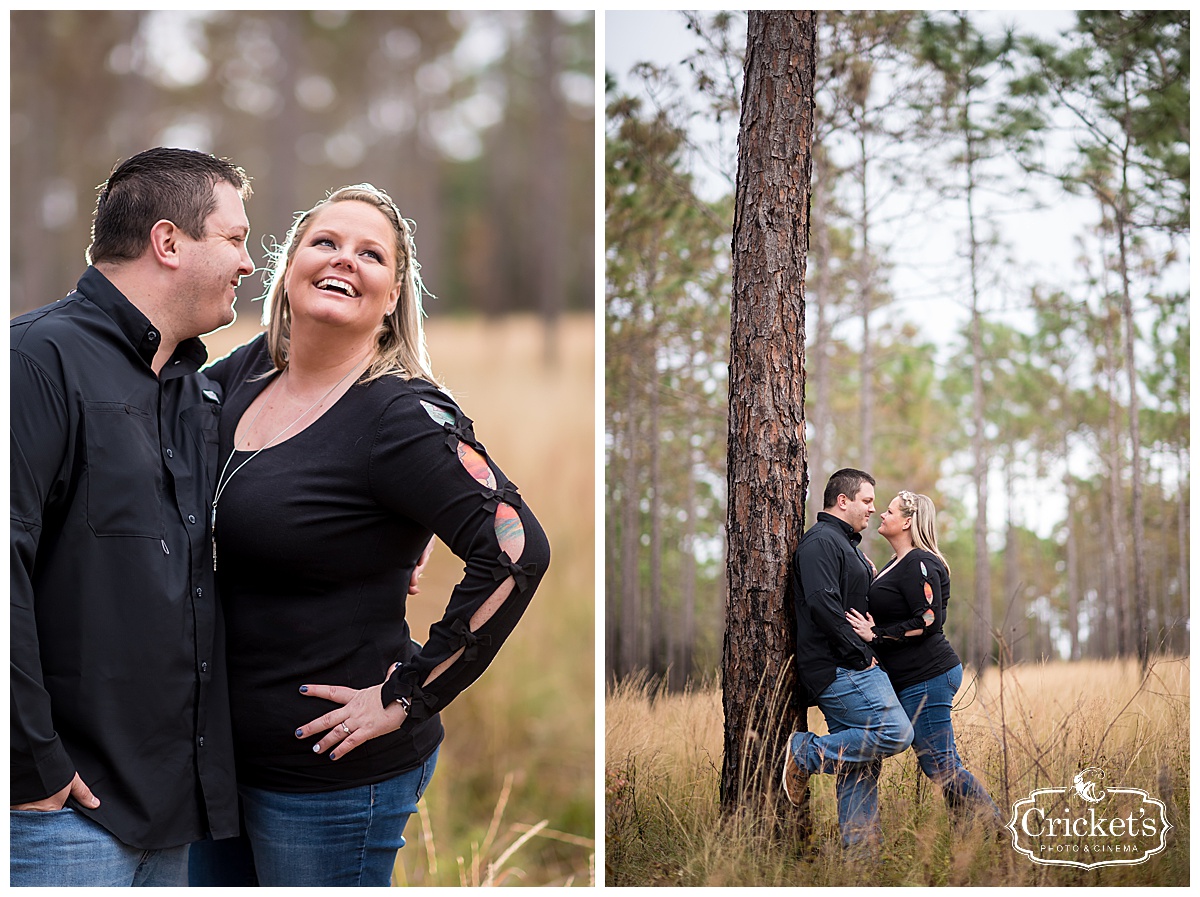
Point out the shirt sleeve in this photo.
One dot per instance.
(821, 593)
(921, 589)
(428, 466)
(228, 368)
(39, 436)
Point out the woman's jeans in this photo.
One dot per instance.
(866, 723)
(928, 706)
(63, 848)
(348, 837)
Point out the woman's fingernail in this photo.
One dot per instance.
(303, 689)
(316, 749)
(299, 733)
(333, 756)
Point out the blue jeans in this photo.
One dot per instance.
(928, 706)
(65, 849)
(348, 837)
(866, 723)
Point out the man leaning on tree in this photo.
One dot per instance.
(838, 671)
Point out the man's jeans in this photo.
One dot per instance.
(928, 704)
(866, 723)
(63, 848)
(330, 838)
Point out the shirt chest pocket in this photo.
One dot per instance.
(124, 471)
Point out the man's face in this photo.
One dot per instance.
(857, 511)
(214, 265)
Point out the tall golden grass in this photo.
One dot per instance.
(513, 797)
(1030, 726)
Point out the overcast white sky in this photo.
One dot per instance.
(928, 279)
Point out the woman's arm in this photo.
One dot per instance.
(428, 466)
(920, 587)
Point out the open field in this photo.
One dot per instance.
(1033, 727)
(521, 740)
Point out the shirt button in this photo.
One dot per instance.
(151, 335)
(170, 454)
(204, 667)
(191, 518)
(201, 741)
(199, 593)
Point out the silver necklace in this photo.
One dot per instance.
(223, 481)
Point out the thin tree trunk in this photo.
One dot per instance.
(983, 577)
(1140, 635)
(1017, 628)
(1181, 533)
(1072, 556)
(654, 661)
(550, 183)
(630, 532)
(767, 472)
(867, 358)
(1115, 501)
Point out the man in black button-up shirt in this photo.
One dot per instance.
(837, 670)
(120, 716)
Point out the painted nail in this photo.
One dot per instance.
(316, 749)
(303, 689)
(299, 733)
(333, 756)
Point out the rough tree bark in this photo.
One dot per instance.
(767, 473)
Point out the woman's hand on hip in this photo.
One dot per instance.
(361, 717)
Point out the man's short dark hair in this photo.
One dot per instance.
(178, 185)
(847, 482)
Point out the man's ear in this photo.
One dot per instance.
(164, 243)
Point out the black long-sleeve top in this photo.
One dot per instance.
(317, 537)
(116, 641)
(830, 575)
(910, 595)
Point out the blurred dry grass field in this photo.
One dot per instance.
(520, 743)
(1033, 727)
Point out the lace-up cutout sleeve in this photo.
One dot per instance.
(428, 466)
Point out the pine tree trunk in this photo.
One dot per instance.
(1120, 594)
(551, 182)
(654, 660)
(630, 531)
(983, 571)
(1072, 558)
(866, 398)
(767, 472)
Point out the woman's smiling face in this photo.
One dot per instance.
(343, 272)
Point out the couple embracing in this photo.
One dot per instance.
(870, 652)
(213, 679)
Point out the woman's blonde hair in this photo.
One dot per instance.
(400, 347)
(920, 509)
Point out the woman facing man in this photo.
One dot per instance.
(852, 619)
(907, 609)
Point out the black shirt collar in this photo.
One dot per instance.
(846, 528)
(189, 356)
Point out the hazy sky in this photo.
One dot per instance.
(928, 275)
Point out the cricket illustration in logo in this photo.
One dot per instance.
(1088, 786)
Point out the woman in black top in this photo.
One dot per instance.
(342, 460)
(907, 607)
